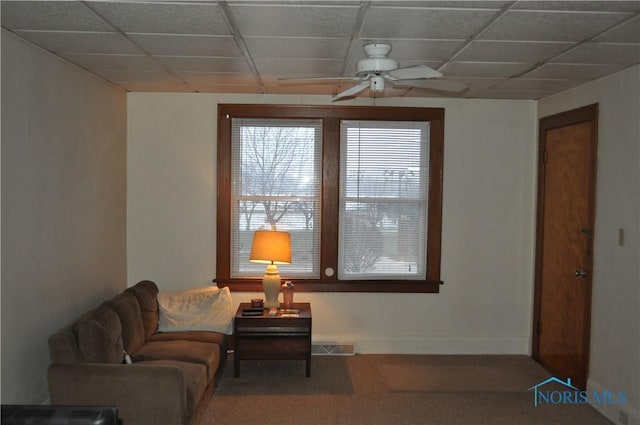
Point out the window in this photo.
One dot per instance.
(276, 167)
(358, 188)
(383, 199)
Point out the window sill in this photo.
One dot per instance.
(389, 286)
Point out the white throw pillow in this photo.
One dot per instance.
(202, 309)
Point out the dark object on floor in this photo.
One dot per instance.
(59, 415)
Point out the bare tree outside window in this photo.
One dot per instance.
(275, 163)
(277, 186)
(362, 227)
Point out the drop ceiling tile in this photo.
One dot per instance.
(299, 87)
(297, 47)
(484, 69)
(551, 26)
(129, 76)
(427, 93)
(204, 64)
(478, 84)
(310, 89)
(223, 88)
(291, 86)
(415, 92)
(81, 42)
(474, 94)
(270, 20)
(604, 6)
(165, 18)
(546, 85)
(602, 53)
(514, 94)
(451, 4)
(50, 15)
(512, 51)
(126, 62)
(213, 78)
(294, 67)
(187, 45)
(628, 32)
(157, 87)
(573, 71)
(454, 24)
(303, 39)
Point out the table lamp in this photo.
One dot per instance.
(271, 247)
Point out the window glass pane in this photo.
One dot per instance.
(383, 199)
(276, 184)
(380, 238)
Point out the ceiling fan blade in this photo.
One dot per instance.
(351, 91)
(413, 73)
(437, 84)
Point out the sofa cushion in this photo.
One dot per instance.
(146, 292)
(128, 310)
(197, 336)
(195, 376)
(204, 309)
(63, 346)
(100, 336)
(187, 351)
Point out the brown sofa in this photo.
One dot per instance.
(171, 379)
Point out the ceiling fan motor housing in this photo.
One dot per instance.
(376, 65)
(376, 61)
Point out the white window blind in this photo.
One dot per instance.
(276, 184)
(384, 168)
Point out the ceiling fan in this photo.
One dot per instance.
(378, 69)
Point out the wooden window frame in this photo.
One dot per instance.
(331, 117)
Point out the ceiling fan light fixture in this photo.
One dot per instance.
(376, 84)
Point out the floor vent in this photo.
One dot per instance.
(325, 349)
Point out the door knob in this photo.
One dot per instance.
(581, 273)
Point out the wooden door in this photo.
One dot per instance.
(566, 203)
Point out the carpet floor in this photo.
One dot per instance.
(462, 374)
(377, 389)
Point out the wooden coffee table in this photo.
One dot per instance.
(267, 337)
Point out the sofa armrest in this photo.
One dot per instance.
(144, 394)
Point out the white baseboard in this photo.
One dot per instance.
(392, 344)
(612, 411)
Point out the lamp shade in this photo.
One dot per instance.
(271, 247)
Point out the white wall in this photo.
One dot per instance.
(615, 314)
(63, 206)
(488, 224)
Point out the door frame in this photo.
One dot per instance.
(583, 114)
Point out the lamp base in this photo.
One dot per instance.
(271, 286)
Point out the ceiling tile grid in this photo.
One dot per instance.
(498, 49)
